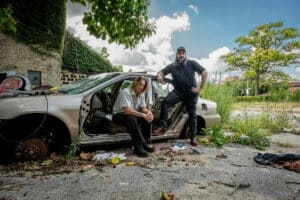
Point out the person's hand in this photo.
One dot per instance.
(196, 89)
(148, 117)
(160, 78)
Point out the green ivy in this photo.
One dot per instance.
(79, 57)
(40, 22)
(7, 21)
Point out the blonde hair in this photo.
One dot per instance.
(137, 80)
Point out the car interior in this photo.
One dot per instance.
(99, 120)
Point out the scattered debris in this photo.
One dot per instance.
(221, 155)
(240, 186)
(47, 162)
(288, 161)
(114, 160)
(86, 156)
(238, 165)
(292, 166)
(178, 146)
(124, 183)
(292, 182)
(195, 151)
(107, 156)
(202, 185)
(83, 168)
(130, 163)
(203, 140)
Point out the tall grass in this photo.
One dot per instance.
(252, 126)
(223, 96)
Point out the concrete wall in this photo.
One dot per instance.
(19, 57)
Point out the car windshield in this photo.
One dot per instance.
(86, 84)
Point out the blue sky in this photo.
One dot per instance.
(207, 28)
(219, 22)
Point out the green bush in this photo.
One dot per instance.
(79, 57)
(294, 97)
(277, 95)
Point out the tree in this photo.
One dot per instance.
(263, 50)
(123, 21)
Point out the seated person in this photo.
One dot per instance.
(130, 111)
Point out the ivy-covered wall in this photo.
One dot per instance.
(40, 22)
(79, 57)
(41, 45)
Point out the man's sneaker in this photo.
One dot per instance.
(193, 142)
(159, 131)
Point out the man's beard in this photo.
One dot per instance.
(180, 60)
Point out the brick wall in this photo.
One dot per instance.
(19, 57)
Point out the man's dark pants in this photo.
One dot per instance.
(188, 100)
(138, 128)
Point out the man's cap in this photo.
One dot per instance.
(181, 49)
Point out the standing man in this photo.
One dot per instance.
(185, 90)
(130, 111)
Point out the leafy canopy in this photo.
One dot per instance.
(121, 21)
(263, 50)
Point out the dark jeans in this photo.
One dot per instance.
(138, 128)
(188, 100)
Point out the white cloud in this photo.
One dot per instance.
(194, 9)
(151, 55)
(213, 64)
(155, 52)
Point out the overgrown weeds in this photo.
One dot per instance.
(214, 135)
(72, 150)
(223, 96)
(252, 126)
(254, 138)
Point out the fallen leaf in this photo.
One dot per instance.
(86, 156)
(130, 163)
(221, 155)
(53, 156)
(84, 168)
(166, 196)
(47, 162)
(203, 140)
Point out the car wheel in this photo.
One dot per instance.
(37, 135)
(185, 133)
(34, 149)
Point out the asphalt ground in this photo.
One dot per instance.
(203, 173)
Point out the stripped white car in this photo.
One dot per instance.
(35, 123)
